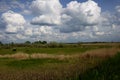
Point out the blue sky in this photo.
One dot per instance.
(59, 20)
(105, 4)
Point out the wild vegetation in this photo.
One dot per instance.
(59, 61)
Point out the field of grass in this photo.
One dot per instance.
(44, 50)
(83, 62)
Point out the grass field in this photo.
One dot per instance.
(81, 62)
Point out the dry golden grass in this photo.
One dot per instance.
(51, 56)
(21, 55)
(101, 53)
(18, 55)
(38, 55)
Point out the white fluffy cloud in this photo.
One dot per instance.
(86, 12)
(80, 15)
(13, 21)
(47, 12)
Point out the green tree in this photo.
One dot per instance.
(27, 42)
(44, 42)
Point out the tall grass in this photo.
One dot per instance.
(108, 70)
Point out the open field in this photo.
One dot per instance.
(73, 62)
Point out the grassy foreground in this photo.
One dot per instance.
(84, 62)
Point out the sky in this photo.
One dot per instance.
(60, 20)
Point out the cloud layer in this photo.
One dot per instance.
(50, 21)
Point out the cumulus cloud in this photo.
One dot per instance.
(47, 12)
(80, 15)
(13, 22)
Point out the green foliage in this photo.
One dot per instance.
(44, 42)
(40, 42)
(27, 42)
